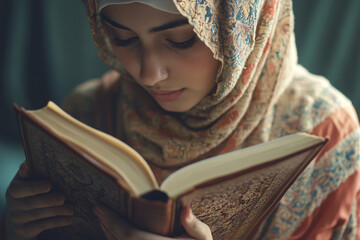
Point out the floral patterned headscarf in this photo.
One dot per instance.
(254, 41)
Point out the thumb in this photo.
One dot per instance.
(193, 226)
(24, 171)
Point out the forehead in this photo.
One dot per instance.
(139, 16)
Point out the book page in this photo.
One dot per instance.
(236, 207)
(229, 163)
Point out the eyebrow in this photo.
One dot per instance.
(163, 27)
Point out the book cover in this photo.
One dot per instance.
(233, 205)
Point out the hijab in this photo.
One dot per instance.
(163, 5)
(254, 41)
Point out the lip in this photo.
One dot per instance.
(166, 95)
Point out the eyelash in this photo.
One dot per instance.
(184, 45)
(123, 43)
(178, 45)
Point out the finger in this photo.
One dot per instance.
(22, 217)
(33, 229)
(193, 226)
(38, 201)
(24, 171)
(109, 235)
(111, 224)
(20, 188)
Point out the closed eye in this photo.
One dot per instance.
(178, 45)
(185, 44)
(123, 43)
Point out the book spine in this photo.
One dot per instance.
(153, 216)
(177, 228)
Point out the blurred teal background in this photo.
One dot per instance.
(46, 49)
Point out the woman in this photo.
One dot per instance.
(201, 78)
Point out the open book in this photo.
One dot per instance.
(232, 193)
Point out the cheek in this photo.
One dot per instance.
(200, 65)
(128, 60)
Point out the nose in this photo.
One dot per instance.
(152, 69)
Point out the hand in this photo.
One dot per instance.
(32, 208)
(115, 228)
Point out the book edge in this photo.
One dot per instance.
(214, 181)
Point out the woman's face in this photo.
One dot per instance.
(162, 53)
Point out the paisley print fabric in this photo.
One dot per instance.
(261, 94)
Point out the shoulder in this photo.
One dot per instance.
(312, 104)
(92, 102)
(81, 94)
(80, 102)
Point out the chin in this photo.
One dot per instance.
(172, 108)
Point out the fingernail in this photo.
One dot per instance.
(22, 169)
(60, 198)
(46, 187)
(189, 215)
